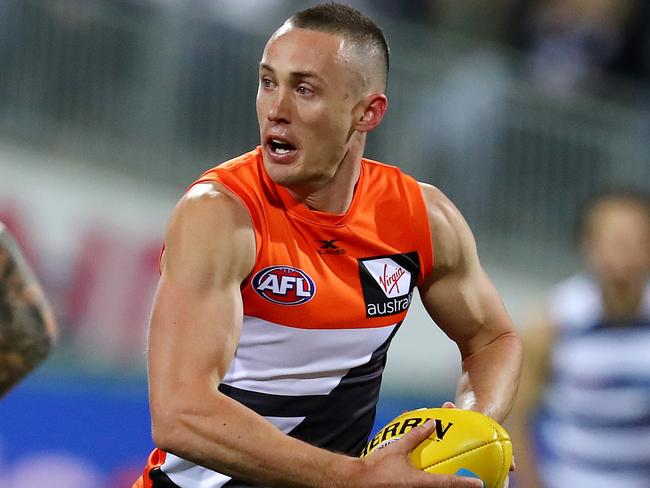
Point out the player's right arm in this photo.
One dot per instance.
(194, 331)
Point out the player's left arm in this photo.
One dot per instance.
(462, 300)
(27, 325)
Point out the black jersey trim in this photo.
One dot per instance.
(340, 421)
(160, 479)
(271, 405)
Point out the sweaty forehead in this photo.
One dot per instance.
(297, 49)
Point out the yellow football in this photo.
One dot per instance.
(464, 442)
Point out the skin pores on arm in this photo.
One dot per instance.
(27, 326)
(462, 300)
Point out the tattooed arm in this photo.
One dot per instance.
(27, 325)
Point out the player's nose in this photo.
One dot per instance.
(280, 107)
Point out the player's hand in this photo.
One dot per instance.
(390, 466)
(513, 466)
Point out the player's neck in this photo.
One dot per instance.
(622, 303)
(336, 195)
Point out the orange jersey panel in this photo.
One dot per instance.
(319, 270)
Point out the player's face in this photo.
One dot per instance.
(618, 244)
(307, 101)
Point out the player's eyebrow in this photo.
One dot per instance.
(294, 74)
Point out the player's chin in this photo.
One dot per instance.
(285, 174)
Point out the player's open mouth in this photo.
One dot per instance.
(280, 147)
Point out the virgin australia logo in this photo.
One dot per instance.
(393, 279)
(388, 282)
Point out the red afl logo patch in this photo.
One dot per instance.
(284, 285)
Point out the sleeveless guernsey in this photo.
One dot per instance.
(321, 305)
(594, 427)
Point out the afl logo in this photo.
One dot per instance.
(284, 285)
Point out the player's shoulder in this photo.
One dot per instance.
(209, 200)
(432, 194)
(209, 223)
(440, 209)
(209, 189)
(451, 237)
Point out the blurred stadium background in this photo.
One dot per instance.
(517, 109)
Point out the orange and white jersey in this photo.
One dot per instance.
(326, 295)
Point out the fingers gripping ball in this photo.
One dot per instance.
(463, 442)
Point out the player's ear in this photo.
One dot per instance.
(374, 107)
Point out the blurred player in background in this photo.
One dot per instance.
(288, 270)
(587, 368)
(27, 325)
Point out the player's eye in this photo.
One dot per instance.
(304, 90)
(266, 82)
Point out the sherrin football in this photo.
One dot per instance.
(464, 443)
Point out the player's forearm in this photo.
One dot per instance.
(26, 322)
(490, 377)
(225, 436)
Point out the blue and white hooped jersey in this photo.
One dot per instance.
(594, 427)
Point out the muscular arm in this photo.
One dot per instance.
(194, 331)
(27, 326)
(462, 300)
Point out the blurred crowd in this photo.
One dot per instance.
(573, 44)
(569, 45)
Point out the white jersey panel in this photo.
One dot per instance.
(185, 474)
(276, 359)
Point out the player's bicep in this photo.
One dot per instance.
(197, 313)
(468, 309)
(459, 295)
(203, 327)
